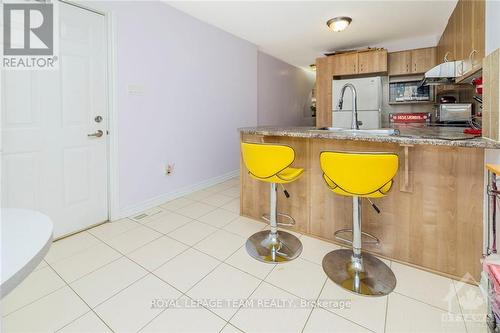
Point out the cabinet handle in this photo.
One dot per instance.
(460, 69)
(471, 57)
(445, 58)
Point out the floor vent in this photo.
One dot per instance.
(147, 213)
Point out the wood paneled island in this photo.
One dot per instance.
(432, 218)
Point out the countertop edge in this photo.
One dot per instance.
(482, 143)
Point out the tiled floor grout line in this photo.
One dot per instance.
(189, 247)
(39, 298)
(339, 315)
(67, 283)
(219, 263)
(185, 293)
(348, 319)
(91, 309)
(118, 234)
(253, 292)
(152, 273)
(460, 306)
(386, 311)
(422, 302)
(222, 262)
(314, 307)
(79, 251)
(159, 314)
(199, 201)
(71, 322)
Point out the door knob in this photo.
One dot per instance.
(97, 134)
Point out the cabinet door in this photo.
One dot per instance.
(344, 64)
(372, 61)
(323, 93)
(440, 49)
(478, 19)
(447, 42)
(399, 63)
(458, 31)
(423, 59)
(467, 28)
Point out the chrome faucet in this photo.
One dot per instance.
(354, 123)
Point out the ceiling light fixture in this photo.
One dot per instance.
(339, 23)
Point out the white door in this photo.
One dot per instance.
(48, 161)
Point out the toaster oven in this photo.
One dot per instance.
(454, 112)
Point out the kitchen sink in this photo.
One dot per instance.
(379, 131)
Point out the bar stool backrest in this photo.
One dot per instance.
(266, 160)
(359, 174)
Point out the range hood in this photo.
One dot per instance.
(444, 73)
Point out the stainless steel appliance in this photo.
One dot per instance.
(454, 112)
(368, 102)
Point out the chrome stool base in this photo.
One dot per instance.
(368, 277)
(273, 248)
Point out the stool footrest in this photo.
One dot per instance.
(369, 238)
(287, 217)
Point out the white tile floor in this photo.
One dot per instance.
(150, 275)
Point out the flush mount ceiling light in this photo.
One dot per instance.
(338, 23)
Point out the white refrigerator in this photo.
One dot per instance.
(369, 98)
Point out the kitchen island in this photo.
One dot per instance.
(433, 216)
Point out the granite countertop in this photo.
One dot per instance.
(414, 135)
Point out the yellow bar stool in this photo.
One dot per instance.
(359, 175)
(271, 163)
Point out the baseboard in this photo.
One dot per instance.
(150, 203)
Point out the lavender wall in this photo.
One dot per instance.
(199, 85)
(284, 93)
(196, 85)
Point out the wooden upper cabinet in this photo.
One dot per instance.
(463, 37)
(344, 64)
(458, 18)
(412, 61)
(358, 63)
(446, 46)
(399, 63)
(423, 59)
(467, 28)
(372, 62)
(478, 28)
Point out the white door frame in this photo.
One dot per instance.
(112, 129)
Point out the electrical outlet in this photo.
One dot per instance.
(169, 169)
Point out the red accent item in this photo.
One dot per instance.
(473, 131)
(478, 82)
(420, 117)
